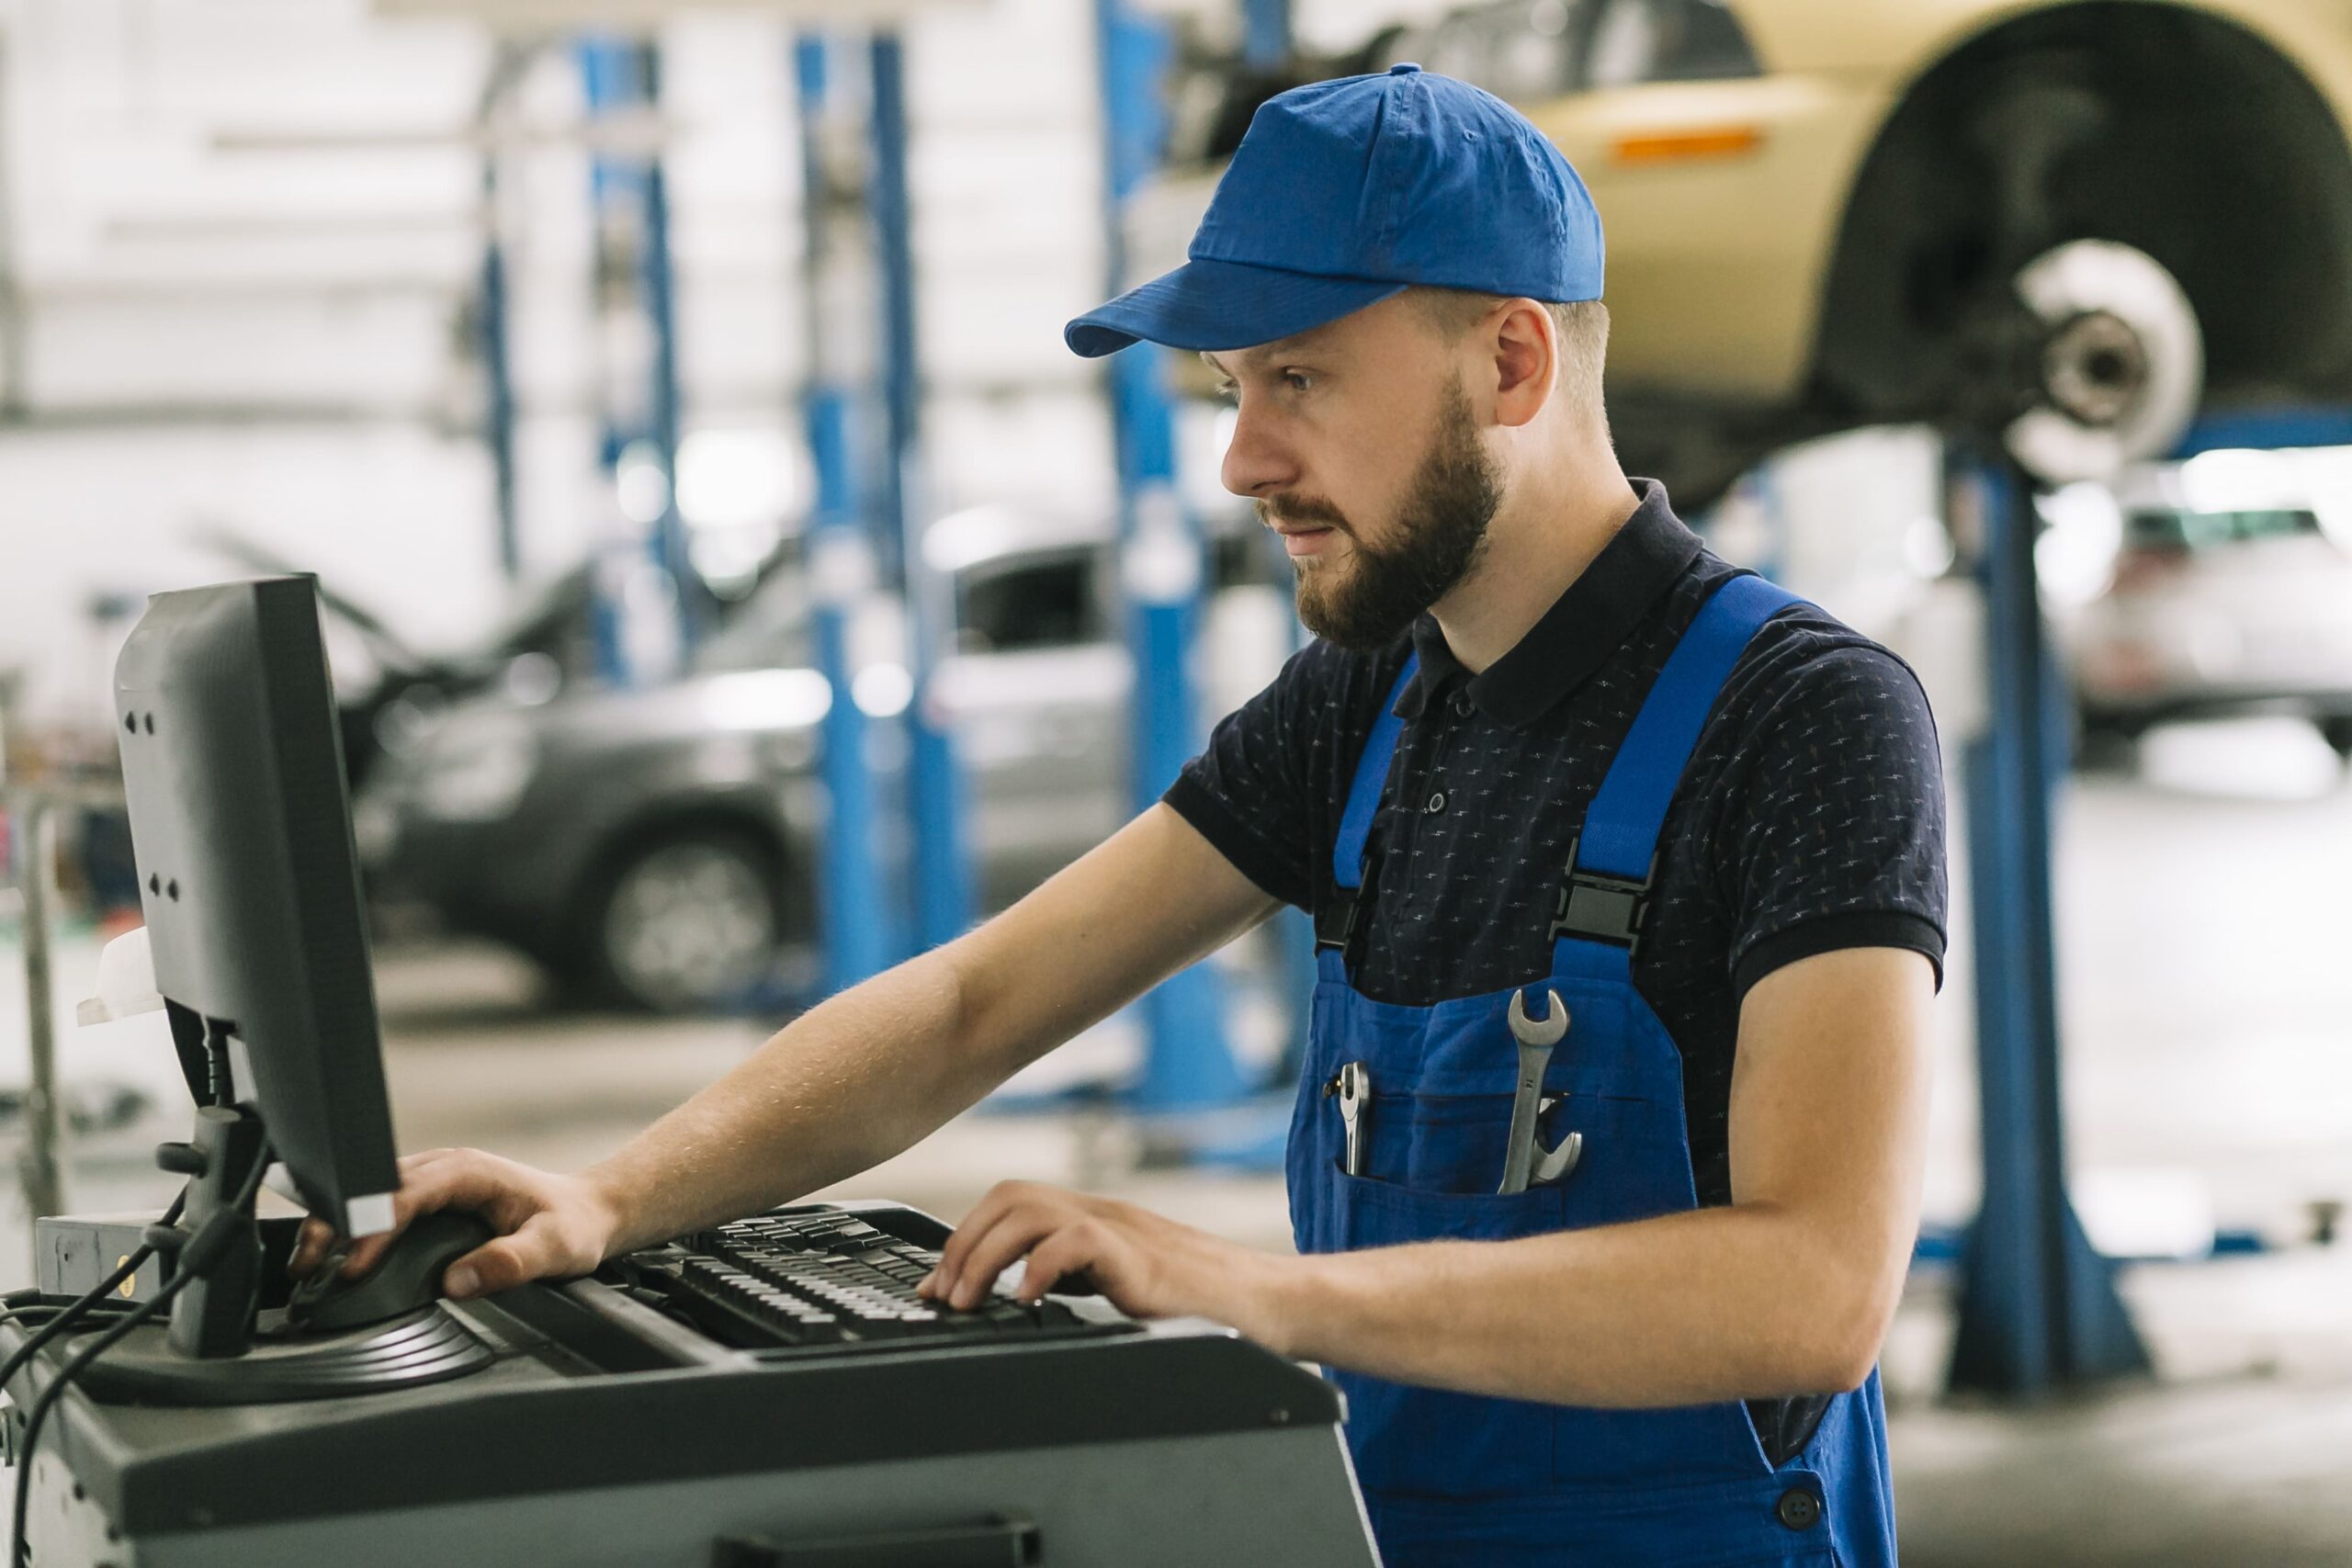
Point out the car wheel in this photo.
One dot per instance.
(689, 922)
(2118, 361)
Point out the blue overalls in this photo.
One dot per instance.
(1454, 1480)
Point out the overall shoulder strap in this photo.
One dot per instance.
(1613, 857)
(1334, 923)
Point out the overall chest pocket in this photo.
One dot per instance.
(1431, 1165)
(1632, 1163)
(1413, 1441)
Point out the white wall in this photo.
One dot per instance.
(245, 233)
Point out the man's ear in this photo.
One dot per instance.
(1526, 345)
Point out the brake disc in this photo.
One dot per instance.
(2122, 365)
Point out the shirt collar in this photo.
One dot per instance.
(1583, 626)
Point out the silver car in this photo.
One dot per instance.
(655, 846)
(2222, 599)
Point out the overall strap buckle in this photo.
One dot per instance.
(1597, 906)
(1335, 916)
(1335, 921)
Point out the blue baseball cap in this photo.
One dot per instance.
(1346, 192)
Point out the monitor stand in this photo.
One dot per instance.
(220, 1349)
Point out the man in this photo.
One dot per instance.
(1552, 765)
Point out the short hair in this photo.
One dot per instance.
(1582, 326)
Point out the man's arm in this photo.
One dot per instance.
(1788, 1290)
(861, 1076)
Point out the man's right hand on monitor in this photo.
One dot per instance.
(549, 1226)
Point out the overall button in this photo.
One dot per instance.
(1799, 1509)
(1437, 803)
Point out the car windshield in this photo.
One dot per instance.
(767, 631)
(2184, 530)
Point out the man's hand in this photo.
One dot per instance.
(548, 1225)
(1146, 1266)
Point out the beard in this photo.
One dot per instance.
(1441, 529)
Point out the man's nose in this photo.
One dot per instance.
(1256, 465)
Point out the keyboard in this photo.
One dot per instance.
(828, 1278)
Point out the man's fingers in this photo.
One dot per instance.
(955, 1257)
(985, 1213)
(504, 1263)
(444, 1179)
(311, 1243)
(1009, 1239)
(1068, 1251)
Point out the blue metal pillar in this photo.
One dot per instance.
(1186, 1062)
(852, 898)
(661, 308)
(631, 201)
(1265, 32)
(2037, 1307)
(498, 376)
(945, 903)
(1266, 46)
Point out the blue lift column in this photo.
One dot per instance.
(498, 373)
(1265, 32)
(945, 903)
(2037, 1307)
(1265, 45)
(1186, 1064)
(632, 213)
(853, 900)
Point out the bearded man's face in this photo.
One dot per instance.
(1359, 441)
(1366, 597)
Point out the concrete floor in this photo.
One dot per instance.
(2206, 1000)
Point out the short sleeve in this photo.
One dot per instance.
(1247, 793)
(1835, 837)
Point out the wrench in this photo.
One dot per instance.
(1355, 1109)
(1524, 1155)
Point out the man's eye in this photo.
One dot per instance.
(1297, 380)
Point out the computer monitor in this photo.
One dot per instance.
(232, 772)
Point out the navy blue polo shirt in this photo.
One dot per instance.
(1810, 818)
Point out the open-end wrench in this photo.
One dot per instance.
(1524, 1155)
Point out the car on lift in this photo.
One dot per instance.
(655, 846)
(2217, 605)
(2065, 223)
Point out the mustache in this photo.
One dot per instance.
(1308, 509)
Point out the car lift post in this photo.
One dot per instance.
(853, 899)
(2037, 1307)
(1266, 47)
(944, 897)
(632, 210)
(498, 371)
(1187, 1065)
(1265, 32)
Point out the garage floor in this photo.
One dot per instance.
(2207, 998)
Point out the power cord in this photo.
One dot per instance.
(198, 1254)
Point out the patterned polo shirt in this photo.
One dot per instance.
(1811, 818)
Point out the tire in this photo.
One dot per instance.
(691, 921)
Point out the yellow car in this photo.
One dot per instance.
(2073, 223)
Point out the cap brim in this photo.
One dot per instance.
(1219, 305)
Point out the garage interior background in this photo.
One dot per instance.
(392, 295)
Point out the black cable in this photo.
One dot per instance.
(196, 1260)
(65, 1374)
(98, 1294)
